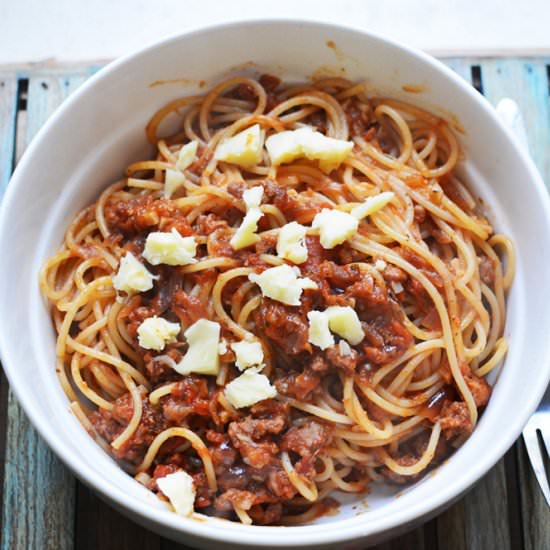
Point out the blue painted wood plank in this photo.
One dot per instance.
(8, 112)
(39, 492)
(526, 82)
(461, 66)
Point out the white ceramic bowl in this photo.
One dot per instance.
(100, 129)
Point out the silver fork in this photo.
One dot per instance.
(539, 423)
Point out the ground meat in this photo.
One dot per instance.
(480, 388)
(161, 470)
(296, 207)
(418, 444)
(319, 364)
(455, 420)
(279, 484)
(136, 314)
(387, 339)
(400, 479)
(189, 396)
(318, 119)
(439, 235)
(266, 245)
(266, 515)
(145, 213)
(345, 254)
(410, 452)
(346, 363)
(110, 424)
(159, 372)
(284, 325)
(243, 499)
(218, 243)
(237, 188)
(417, 294)
(232, 477)
(208, 223)
(269, 82)
(298, 385)
(340, 276)
(307, 439)
(252, 438)
(188, 308)
(426, 268)
(487, 271)
(273, 410)
(395, 274)
(357, 115)
(205, 496)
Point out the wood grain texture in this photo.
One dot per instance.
(526, 81)
(461, 66)
(39, 492)
(98, 526)
(8, 110)
(45, 508)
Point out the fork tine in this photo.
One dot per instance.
(535, 455)
(545, 433)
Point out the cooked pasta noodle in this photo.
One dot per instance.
(424, 274)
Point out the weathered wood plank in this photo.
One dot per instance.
(535, 513)
(98, 526)
(526, 81)
(461, 66)
(8, 111)
(415, 540)
(465, 526)
(39, 492)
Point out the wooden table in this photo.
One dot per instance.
(44, 507)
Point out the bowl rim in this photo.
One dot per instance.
(232, 532)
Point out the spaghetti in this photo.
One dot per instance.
(424, 276)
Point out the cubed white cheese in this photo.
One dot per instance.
(203, 338)
(287, 146)
(284, 147)
(291, 243)
(380, 265)
(343, 321)
(180, 490)
(344, 348)
(187, 155)
(244, 148)
(172, 180)
(222, 346)
(334, 227)
(132, 275)
(319, 333)
(253, 197)
(169, 248)
(156, 332)
(249, 388)
(282, 283)
(247, 354)
(246, 233)
(372, 205)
